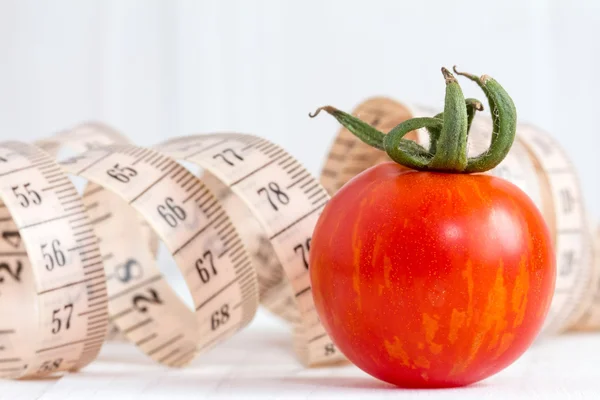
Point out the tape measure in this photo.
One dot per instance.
(52, 282)
(239, 234)
(286, 201)
(82, 138)
(590, 318)
(535, 163)
(87, 136)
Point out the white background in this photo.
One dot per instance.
(155, 69)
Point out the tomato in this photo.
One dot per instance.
(439, 276)
(429, 279)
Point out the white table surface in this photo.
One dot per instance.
(259, 364)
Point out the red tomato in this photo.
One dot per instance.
(431, 279)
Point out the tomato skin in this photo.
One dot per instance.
(429, 279)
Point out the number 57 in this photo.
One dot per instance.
(57, 321)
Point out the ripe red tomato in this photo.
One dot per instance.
(426, 279)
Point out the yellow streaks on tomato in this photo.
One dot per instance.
(456, 322)
(492, 322)
(422, 362)
(396, 351)
(387, 269)
(494, 314)
(505, 342)
(377, 249)
(519, 293)
(477, 190)
(431, 327)
(378, 254)
(468, 275)
(356, 247)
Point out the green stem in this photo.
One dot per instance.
(434, 132)
(448, 130)
(362, 130)
(504, 118)
(408, 152)
(473, 105)
(451, 154)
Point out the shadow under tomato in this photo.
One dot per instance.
(339, 382)
(368, 383)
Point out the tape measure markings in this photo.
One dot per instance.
(56, 264)
(286, 201)
(590, 319)
(156, 186)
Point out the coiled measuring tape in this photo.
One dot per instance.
(286, 201)
(87, 136)
(52, 282)
(590, 318)
(248, 184)
(82, 138)
(535, 164)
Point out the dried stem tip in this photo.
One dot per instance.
(328, 109)
(448, 75)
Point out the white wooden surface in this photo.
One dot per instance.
(259, 364)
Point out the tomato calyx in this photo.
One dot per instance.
(448, 130)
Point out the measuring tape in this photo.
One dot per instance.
(52, 282)
(87, 136)
(84, 137)
(535, 163)
(195, 230)
(590, 318)
(240, 233)
(286, 201)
